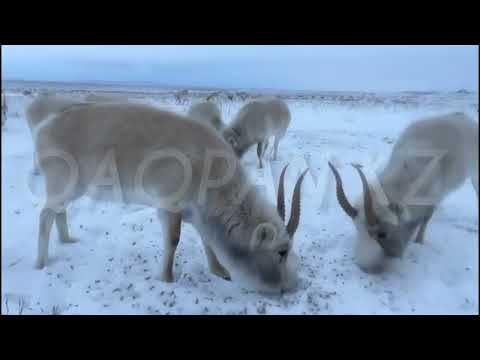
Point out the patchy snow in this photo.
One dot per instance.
(113, 268)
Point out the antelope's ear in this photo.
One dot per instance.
(230, 138)
(217, 121)
(396, 208)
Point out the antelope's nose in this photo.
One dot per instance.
(374, 269)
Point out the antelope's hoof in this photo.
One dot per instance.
(222, 273)
(165, 277)
(69, 240)
(40, 264)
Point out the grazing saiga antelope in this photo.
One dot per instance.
(432, 158)
(255, 123)
(179, 166)
(208, 113)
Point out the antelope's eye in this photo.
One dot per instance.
(283, 253)
(263, 234)
(382, 235)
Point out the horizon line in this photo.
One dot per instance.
(207, 87)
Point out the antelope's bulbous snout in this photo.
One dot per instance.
(266, 273)
(369, 255)
(291, 277)
(282, 278)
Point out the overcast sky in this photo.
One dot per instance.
(326, 67)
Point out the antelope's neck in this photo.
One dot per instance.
(399, 187)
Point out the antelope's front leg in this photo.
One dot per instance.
(421, 233)
(171, 223)
(36, 167)
(214, 265)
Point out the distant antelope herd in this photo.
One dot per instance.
(188, 167)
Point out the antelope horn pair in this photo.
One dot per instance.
(295, 215)
(367, 197)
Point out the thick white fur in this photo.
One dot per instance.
(453, 133)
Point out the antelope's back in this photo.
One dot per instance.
(451, 132)
(451, 138)
(208, 113)
(46, 104)
(264, 116)
(130, 134)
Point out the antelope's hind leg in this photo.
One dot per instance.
(57, 180)
(171, 223)
(47, 215)
(62, 228)
(46, 218)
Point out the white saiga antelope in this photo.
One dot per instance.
(179, 166)
(208, 113)
(255, 123)
(432, 158)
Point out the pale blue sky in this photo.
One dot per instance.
(326, 67)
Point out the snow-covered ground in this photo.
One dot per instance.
(112, 269)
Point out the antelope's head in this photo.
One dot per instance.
(238, 139)
(260, 244)
(383, 230)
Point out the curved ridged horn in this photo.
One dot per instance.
(281, 194)
(367, 198)
(341, 197)
(295, 215)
